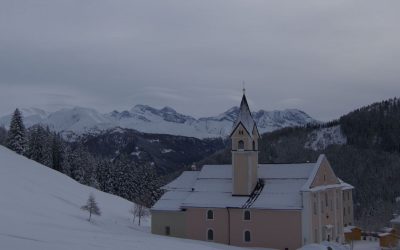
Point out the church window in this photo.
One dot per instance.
(210, 215)
(241, 145)
(246, 215)
(247, 236)
(210, 235)
(167, 230)
(254, 145)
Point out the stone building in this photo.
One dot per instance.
(281, 206)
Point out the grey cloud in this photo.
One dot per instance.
(325, 57)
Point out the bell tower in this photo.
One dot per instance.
(244, 138)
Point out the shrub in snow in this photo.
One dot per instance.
(139, 211)
(91, 207)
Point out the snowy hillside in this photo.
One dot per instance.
(40, 210)
(320, 139)
(160, 121)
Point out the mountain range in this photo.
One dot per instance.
(143, 118)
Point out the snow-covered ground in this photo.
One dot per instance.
(366, 245)
(321, 138)
(40, 210)
(358, 245)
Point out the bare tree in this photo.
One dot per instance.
(91, 207)
(139, 211)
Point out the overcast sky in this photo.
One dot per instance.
(323, 57)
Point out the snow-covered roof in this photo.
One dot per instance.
(280, 194)
(345, 186)
(285, 171)
(184, 182)
(212, 187)
(171, 201)
(245, 118)
(216, 172)
(395, 220)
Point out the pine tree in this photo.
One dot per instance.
(39, 145)
(3, 135)
(91, 207)
(56, 152)
(35, 149)
(16, 140)
(104, 176)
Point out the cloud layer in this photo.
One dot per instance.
(325, 57)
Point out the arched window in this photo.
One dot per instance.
(246, 215)
(210, 215)
(247, 236)
(241, 145)
(210, 234)
(254, 146)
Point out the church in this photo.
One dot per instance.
(247, 204)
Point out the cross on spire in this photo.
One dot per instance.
(244, 89)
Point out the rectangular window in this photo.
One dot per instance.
(246, 215)
(348, 210)
(344, 211)
(210, 215)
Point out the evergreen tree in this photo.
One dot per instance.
(124, 182)
(104, 174)
(36, 143)
(3, 135)
(39, 145)
(148, 185)
(56, 152)
(16, 140)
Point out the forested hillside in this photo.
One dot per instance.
(123, 162)
(369, 158)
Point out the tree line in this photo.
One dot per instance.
(138, 183)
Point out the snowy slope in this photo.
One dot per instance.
(320, 139)
(40, 210)
(159, 121)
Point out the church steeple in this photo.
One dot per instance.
(245, 118)
(244, 138)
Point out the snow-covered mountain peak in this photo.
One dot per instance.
(229, 115)
(167, 109)
(141, 108)
(166, 120)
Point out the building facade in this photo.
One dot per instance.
(281, 206)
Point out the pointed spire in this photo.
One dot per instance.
(244, 117)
